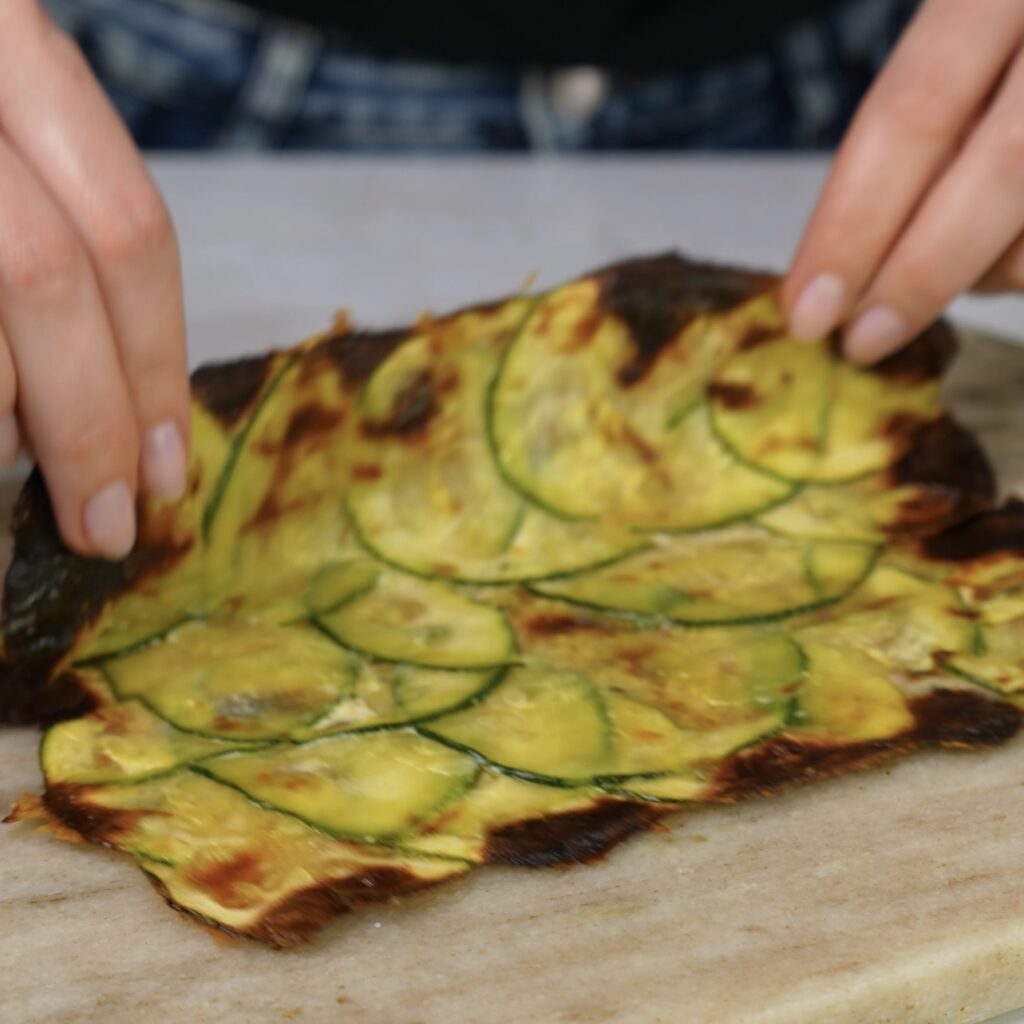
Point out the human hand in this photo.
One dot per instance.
(93, 372)
(926, 196)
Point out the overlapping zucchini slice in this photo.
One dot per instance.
(579, 436)
(505, 587)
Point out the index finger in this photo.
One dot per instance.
(911, 122)
(65, 129)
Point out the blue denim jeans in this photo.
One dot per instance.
(210, 73)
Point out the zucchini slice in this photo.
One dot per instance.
(849, 696)
(495, 800)
(545, 724)
(237, 680)
(675, 698)
(583, 439)
(868, 509)
(276, 518)
(123, 742)
(386, 694)
(798, 411)
(367, 787)
(736, 575)
(224, 859)
(908, 623)
(422, 622)
(995, 659)
(540, 546)
(896, 626)
(681, 788)
(425, 484)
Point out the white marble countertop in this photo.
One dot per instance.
(272, 246)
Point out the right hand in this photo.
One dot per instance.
(93, 369)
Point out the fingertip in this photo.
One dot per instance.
(164, 461)
(819, 307)
(875, 334)
(108, 520)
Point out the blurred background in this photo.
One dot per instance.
(457, 76)
(396, 156)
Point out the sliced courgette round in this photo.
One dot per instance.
(276, 518)
(543, 723)
(495, 800)
(386, 694)
(736, 575)
(237, 680)
(422, 622)
(365, 786)
(584, 440)
(223, 858)
(425, 486)
(797, 411)
(995, 657)
(122, 742)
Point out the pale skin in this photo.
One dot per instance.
(925, 200)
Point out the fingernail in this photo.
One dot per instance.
(163, 461)
(10, 440)
(875, 334)
(110, 520)
(819, 308)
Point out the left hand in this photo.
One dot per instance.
(926, 196)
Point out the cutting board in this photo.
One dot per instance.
(896, 895)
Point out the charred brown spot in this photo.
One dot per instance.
(230, 882)
(927, 357)
(311, 421)
(228, 390)
(757, 335)
(414, 406)
(355, 353)
(51, 595)
(733, 396)
(583, 333)
(999, 531)
(963, 718)
(950, 467)
(783, 761)
(366, 471)
(573, 837)
(556, 624)
(70, 805)
(658, 296)
(271, 508)
(299, 917)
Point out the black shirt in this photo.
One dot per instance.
(629, 35)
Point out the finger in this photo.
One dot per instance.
(72, 397)
(11, 441)
(1007, 273)
(87, 160)
(912, 121)
(970, 217)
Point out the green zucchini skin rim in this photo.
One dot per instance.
(390, 840)
(149, 776)
(238, 442)
(543, 505)
(487, 581)
(951, 668)
(493, 680)
(747, 620)
(605, 781)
